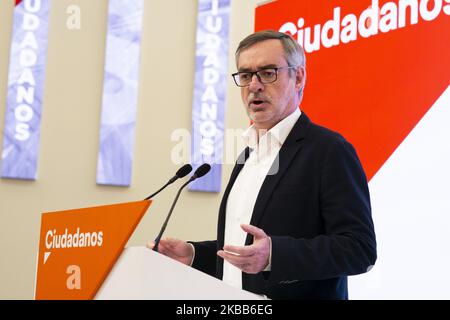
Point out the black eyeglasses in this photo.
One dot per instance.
(266, 75)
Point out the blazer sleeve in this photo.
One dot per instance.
(348, 245)
(205, 256)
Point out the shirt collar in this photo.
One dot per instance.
(280, 131)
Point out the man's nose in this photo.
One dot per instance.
(255, 84)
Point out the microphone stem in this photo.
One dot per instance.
(158, 238)
(155, 193)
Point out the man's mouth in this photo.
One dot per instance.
(256, 103)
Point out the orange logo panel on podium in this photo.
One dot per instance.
(78, 248)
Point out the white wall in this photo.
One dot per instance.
(410, 209)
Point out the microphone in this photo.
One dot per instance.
(182, 172)
(200, 172)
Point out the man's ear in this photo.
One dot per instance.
(300, 78)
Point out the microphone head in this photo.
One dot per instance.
(202, 170)
(183, 171)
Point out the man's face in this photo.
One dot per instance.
(268, 104)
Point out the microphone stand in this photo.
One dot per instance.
(155, 193)
(158, 238)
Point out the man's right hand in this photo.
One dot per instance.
(176, 249)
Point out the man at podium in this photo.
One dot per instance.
(295, 219)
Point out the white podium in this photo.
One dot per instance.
(141, 273)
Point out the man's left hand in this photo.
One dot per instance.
(250, 259)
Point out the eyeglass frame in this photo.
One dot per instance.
(255, 73)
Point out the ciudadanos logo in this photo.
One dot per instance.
(84, 245)
(376, 19)
(55, 239)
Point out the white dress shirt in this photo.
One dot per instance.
(245, 190)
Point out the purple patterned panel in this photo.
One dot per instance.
(210, 91)
(28, 58)
(120, 92)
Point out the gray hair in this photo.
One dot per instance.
(293, 51)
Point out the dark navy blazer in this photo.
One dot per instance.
(316, 209)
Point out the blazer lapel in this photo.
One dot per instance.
(287, 153)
